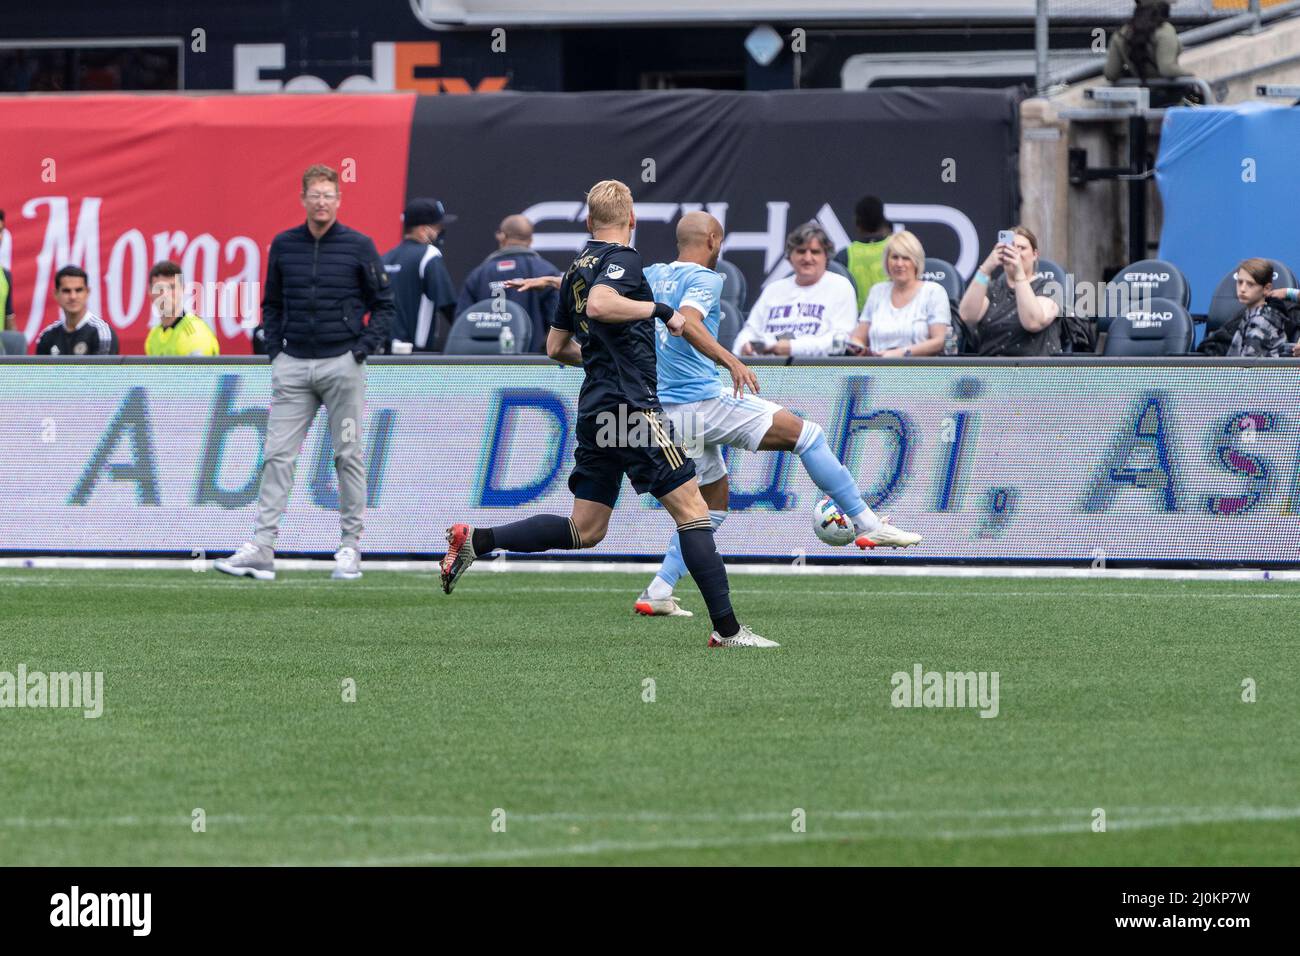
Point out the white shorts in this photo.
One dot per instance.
(703, 428)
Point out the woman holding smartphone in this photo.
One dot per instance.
(1011, 315)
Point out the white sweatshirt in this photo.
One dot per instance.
(810, 314)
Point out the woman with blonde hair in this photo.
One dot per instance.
(905, 315)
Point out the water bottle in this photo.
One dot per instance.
(506, 340)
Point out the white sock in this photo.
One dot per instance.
(865, 520)
(659, 589)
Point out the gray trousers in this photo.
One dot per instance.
(298, 389)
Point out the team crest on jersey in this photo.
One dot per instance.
(54, 350)
(505, 265)
(579, 300)
(614, 271)
(79, 348)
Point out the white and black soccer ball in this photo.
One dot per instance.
(832, 525)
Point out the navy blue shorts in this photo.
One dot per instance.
(647, 453)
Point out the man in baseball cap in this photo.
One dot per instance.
(422, 287)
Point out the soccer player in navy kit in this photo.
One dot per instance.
(606, 323)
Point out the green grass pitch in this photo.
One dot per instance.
(527, 693)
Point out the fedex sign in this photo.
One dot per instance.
(393, 67)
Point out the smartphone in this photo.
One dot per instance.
(1006, 237)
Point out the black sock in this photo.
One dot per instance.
(538, 533)
(702, 560)
(483, 541)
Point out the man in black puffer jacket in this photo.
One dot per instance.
(321, 280)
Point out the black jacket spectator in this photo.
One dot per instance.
(318, 292)
(514, 262)
(1266, 331)
(92, 336)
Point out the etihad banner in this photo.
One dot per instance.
(1181, 463)
(945, 162)
(115, 183)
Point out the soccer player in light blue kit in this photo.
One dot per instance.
(708, 419)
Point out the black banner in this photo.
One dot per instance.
(943, 160)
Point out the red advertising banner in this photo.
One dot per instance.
(114, 183)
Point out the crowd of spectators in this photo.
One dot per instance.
(874, 298)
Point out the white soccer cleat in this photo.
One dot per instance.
(742, 638)
(663, 607)
(250, 561)
(347, 565)
(887, 536)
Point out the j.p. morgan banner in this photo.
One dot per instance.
(1036, 462)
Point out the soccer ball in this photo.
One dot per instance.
(831, 524)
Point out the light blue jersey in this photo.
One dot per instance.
(684, 374)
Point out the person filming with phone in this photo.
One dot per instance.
(1010, 314)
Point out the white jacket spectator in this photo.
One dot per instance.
(802, 314)
(905, 316)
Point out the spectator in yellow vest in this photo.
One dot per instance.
(865, 257)
(178, 332)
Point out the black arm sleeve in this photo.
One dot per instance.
(272, 304)
(379, 300)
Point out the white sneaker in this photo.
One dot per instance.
(887, 536)
(251, 560)
(742, 638)
(347, 564)
(662, 607)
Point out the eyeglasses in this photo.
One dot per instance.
(321, 197)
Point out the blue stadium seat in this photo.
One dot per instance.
(944, 273)
(1223, 303)
(477, 330)
(1058, 277)
(835, 267)
(1164, 329)
(1147, 278)
(730, 325)
(735, 288)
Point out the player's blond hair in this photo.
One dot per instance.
(609, 204)
(906, 244)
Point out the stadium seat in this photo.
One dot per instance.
(1223, 303)
(1155, 278)
(477, 330)
(735, 288)
(944, 273)
(835, 267)
(1164, 329)
(13, 343)
(730, 325)
(1055, 274)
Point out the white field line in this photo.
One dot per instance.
(1117, 816)
(697, 843)
(632, 589)
(580, 567)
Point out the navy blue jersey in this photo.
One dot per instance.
(618, 357)
(421, 289)
(513, 262)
